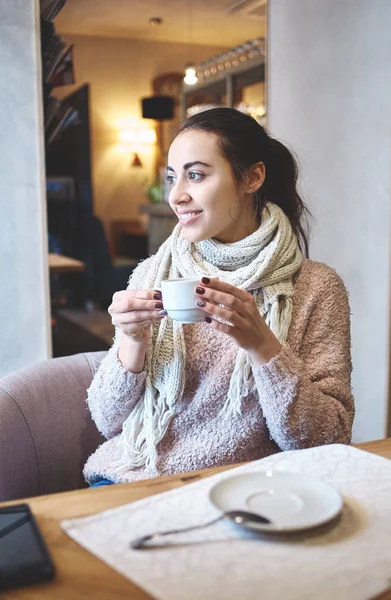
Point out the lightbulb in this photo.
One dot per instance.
(147, 136)
(190, 76)
(127, 136)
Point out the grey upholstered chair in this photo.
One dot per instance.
(46, 432)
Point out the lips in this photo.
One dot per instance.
(186, 218)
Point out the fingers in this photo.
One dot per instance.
(137, 332)
(135, 300)
(223, 327)
(238, 302)
(134, 311)
(226, 288)
(221, 298)
(220, 312)
(142, 294)
(137, 317)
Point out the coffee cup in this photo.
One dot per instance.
(179, 298)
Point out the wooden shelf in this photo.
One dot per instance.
(252, 71)
(64, 264)
(226, 83)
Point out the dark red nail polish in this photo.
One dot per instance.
(205, 280)
(208, 320)
(158, 304)
(200, 290)
(157, 295)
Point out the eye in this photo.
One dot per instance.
(195, 176)
(170, 179)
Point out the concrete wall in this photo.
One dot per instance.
(24, 308)
(329, 97)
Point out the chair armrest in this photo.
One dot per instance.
(46, 432)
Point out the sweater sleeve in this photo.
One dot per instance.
(114, 391)
(306, 397)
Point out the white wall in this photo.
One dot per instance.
(24, 330)
(329, 97)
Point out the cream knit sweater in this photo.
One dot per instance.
(303, 395)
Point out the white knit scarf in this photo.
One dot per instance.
(263, 263)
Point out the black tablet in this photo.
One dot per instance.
(24, 558)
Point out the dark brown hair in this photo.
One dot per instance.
(244, 142)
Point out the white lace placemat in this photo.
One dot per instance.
(348, 561)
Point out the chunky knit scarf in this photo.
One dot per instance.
(263, 263)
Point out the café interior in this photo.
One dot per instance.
(115, 122)
(115, 81)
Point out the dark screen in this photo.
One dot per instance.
(19, 546)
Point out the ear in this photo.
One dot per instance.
(255, 177)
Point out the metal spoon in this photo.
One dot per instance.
(238, 516)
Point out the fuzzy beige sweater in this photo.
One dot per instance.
(303, 395)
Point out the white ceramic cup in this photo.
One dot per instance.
(179, 299)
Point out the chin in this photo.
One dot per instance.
(193, 236)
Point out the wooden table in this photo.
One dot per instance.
(79, 573)
(64, 264)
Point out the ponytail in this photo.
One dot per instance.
(280, 187)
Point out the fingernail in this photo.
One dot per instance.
(208, 320)
(157, 295)
(205, 280)
(162, 313)
(158, 304)
(200, 303)
(200, 290)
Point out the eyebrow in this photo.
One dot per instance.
(189, 165)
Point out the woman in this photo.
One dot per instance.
(270, 368)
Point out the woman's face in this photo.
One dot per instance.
(204, 195)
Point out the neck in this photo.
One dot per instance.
(241, 228)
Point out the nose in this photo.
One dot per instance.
(178, 195)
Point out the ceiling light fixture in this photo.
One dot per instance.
(190, 72)
(157, 107)
(190, 75)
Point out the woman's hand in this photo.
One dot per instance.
(246, 327)
(134, 311)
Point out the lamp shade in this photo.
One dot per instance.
(158, 107)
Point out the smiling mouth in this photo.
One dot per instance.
(189, 216)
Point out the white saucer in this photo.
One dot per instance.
(291, 501)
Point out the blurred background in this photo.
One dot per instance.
(118, 79)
